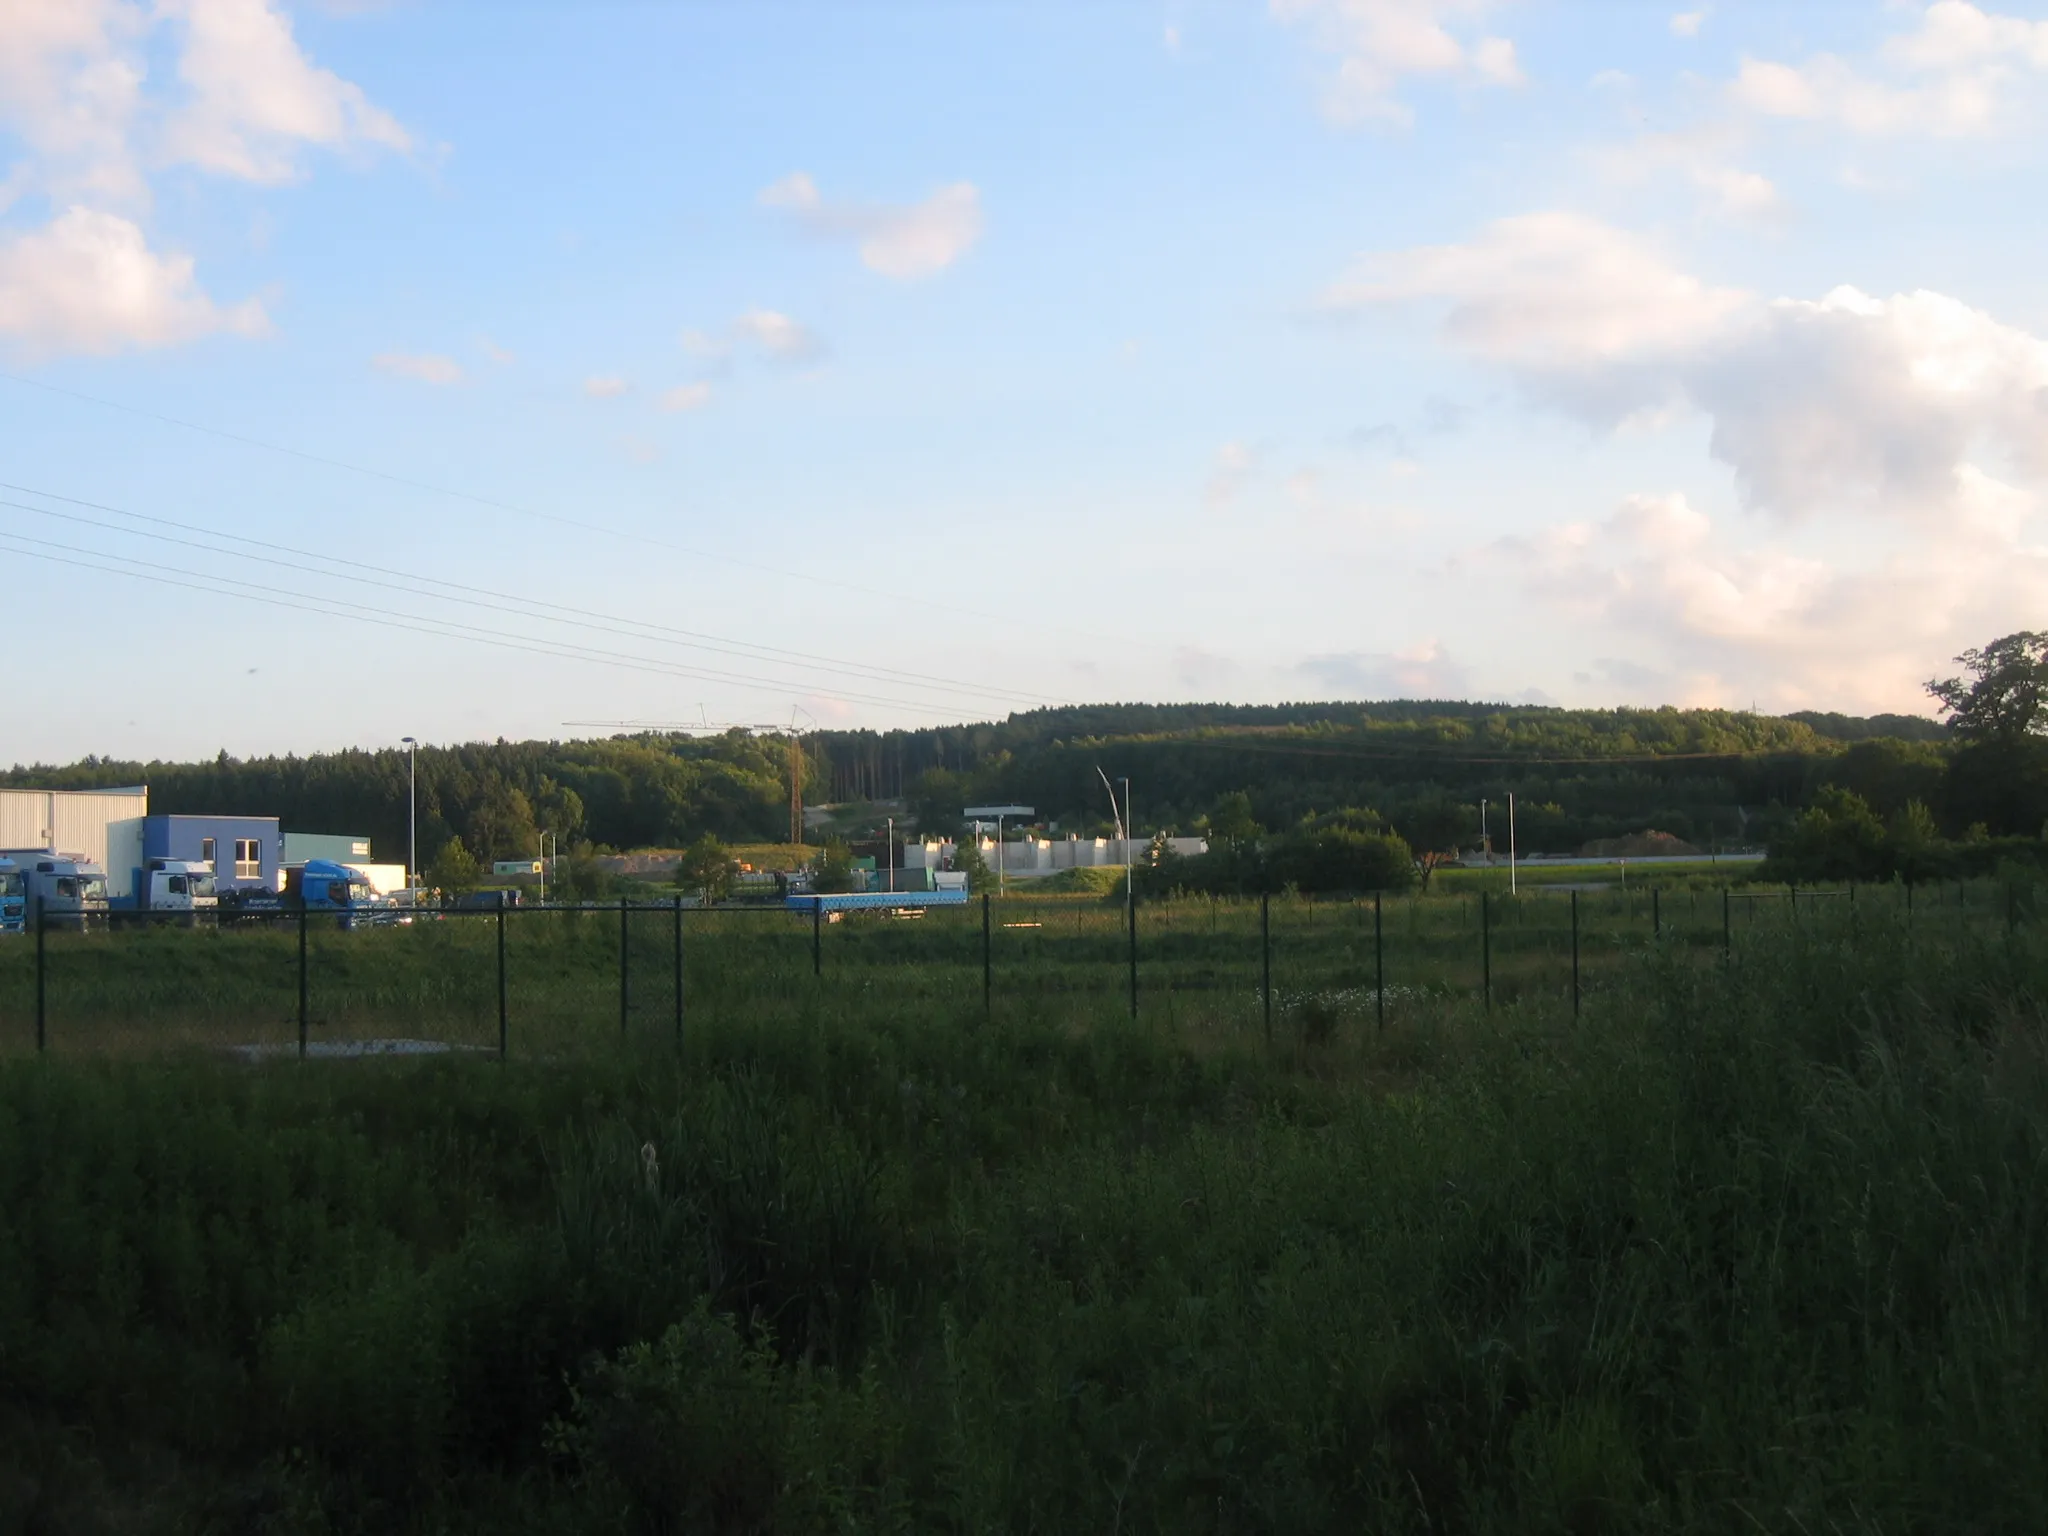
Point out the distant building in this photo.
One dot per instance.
(341, 847)
(103, 826)
(1035, 856)
(246, 852)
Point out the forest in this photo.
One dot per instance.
(1427, 770)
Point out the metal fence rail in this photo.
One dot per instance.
(553, 979)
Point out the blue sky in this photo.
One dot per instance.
(486, 368)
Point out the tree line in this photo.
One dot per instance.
(1426, 772)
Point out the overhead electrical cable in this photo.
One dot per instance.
(580, 524)
(512, 604)
(206, 581)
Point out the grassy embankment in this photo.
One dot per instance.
(1746, 1245)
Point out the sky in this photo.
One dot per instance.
(467, 371)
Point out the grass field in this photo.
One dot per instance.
(1752, 1240)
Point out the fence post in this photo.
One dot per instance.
(2012, 912)
(1379, 967)
(502, 1010)
(1134, 954)
(1575, 954)
(42, 986)
(679, 969)
(1727, 927)
(988, 964)
(817, 935)
(625, 962)
(1656, 914)
(1486, 949)
(302, 981)
(1266, 961)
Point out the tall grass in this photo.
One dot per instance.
(1750, 1243)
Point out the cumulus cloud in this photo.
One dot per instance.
(1846, 402)
(73, 90)
(686, 397)
(425, 367)
(905, 242)
(255, 99)
(1687, 23)
(1956, 73)
(604, 387)
(778, 336)
(88, 283)
(1720, 621)
(1379, 43)
(1421, 671)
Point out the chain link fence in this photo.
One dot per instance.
(556, 980)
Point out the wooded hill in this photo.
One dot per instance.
(1713, 777)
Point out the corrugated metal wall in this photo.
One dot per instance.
(68, 821)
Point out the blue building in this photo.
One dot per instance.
(245, 851)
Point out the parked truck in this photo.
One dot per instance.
(60, 890)
(317, 886)
(175, 885)
(11, 919)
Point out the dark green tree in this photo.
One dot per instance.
(834, 872)
(454, 869)
(2005, 695)
(706, 867)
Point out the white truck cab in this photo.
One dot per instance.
(177, 885)
(62, 892)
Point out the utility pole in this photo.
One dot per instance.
(1511, 842)
(796, 786)
(412, 841)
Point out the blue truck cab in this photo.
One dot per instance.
(13, 912)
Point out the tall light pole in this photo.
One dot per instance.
(1121, 815)
(892, 855)
(1511, 842)
(412, 837)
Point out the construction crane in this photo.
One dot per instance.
(702, 726)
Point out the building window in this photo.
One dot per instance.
(207, 853)
(248, 859)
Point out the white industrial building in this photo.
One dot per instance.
(100, 825)
(1047, 855)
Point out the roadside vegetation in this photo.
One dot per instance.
(1750, 1242)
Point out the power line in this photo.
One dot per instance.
(525, 607)
(493, 503)
(328, 607)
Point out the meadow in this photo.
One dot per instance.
(1749, 1239)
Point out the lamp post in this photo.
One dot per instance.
(412, 837)
(892, 855)
(544, 862)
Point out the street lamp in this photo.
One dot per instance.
(412, 841)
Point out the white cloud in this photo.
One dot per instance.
(1170, 38)
(712, 349)
(1687, 23)
(1701, 155)
(686, 397)
(70, 87)
(1955, 75)
(1234, 464)
(426, 367)
(1840, 403)
(604, 387)
(777, 335)
(1421, 671)
(1549, 290)
(1379, 43)
(1734, 621)
(495, 353)
(918, 240)
(255, 98)
(87, 282)
(73, 90)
